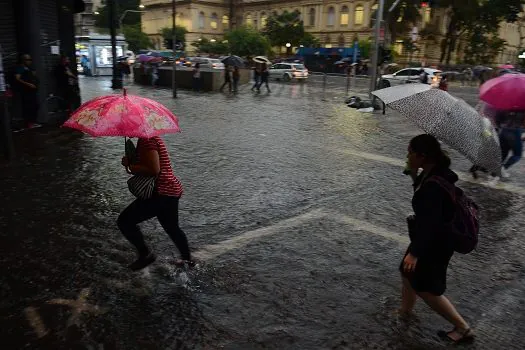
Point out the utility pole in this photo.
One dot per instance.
(375, 58)
(174, 47)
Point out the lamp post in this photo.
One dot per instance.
(174, 47)
(288, 48)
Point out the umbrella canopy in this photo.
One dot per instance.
(506, 92)
(261, 59)
(234, 61)
(506, 66)
(145, 58)
(123, 115)
(449, 119)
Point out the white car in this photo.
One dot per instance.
(412, 75)
(288, 71)
(207, 62)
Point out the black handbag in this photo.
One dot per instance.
(142, 187)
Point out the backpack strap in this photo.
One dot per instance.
(447, 186)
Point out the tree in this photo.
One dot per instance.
(246, 41)
(308, 40)
(167, 33)
(402, 19)
(482, 47)
(136, 38)
(212, 47)
(131, 18)
(365, 46)
(285, 28)
(471, 18)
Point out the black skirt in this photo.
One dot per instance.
(430, 274)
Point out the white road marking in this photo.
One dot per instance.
(214, 250)
(401, 163)
(361, 225)
(34, 319)
(78, 306)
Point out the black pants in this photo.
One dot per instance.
(29, 101)
(227, 82)
(166, 209)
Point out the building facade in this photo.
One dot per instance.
(85, 21)
(335, 23)
(43, 29)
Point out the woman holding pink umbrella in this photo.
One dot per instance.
(154, 184)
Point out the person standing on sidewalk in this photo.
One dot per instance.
(67, 84)
(197, 77)
(424, 266)
(27, 88)
(236, 76)
(153, 160)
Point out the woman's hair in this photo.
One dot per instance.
(430, 147)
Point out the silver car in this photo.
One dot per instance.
(412, 75)
(288, 71)
(207, 62)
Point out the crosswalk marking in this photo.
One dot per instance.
(505, 186)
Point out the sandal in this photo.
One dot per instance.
(467, 336)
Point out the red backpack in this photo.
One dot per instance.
(463, 229)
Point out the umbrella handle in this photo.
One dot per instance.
(125, 92)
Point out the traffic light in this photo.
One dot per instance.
(429, 3)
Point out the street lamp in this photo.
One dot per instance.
(288, 45)
(142, 6)
(96, 13)
(126, 12)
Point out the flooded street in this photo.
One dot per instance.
(295, 206)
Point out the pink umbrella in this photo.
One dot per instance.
(505, 93)
(506, 66)
(123, 115)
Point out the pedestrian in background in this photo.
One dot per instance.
(227, 79)
(265, 76)
(197, 77)
(236, 76)
(256, 76)
(27, 89)
(67, 84)
(443, 83)
(510, 141)
(424, 266)
(152, 160)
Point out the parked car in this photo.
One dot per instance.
(411, 75)
(288, 71)
(206, 62)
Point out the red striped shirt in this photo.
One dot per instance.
(167, 183)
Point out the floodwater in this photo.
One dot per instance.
(295, 206)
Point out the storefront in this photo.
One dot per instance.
(94, 55)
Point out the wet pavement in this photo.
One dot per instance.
(295, 207)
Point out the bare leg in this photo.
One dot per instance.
(444, 307)
(408, 298)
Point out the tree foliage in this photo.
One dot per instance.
(180, 32)
(285, 28)
(483, 47)
(246, 41)
(131, 18)
(402, 19)
(472, 19)
(216, 47)
(136, 38)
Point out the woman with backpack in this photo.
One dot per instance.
(424, 266)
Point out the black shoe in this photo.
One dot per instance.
(142, 262)
(184, 263)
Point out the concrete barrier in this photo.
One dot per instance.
(211, 79)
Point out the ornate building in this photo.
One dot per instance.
(336, 23)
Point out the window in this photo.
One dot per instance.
(201, 20)
(264, 19)
(344, 16)
(225, 20)
(374, 11)
(328, 46)
(311, 17)
(331, 16)
(359, 15)
(248, 20)
(426, 16)
(214, 21)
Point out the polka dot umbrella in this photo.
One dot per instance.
(449, 119)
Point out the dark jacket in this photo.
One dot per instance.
(433, 208)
